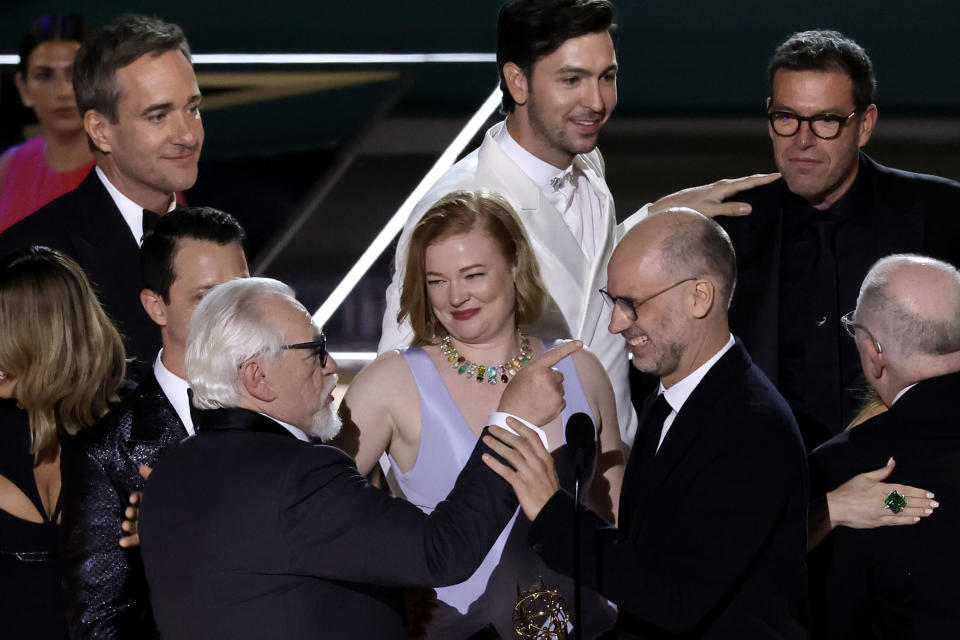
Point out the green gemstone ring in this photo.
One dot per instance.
(894, 501)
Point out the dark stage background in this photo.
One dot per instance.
(692, 88)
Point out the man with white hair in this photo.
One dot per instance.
(900, 582)
(250, 531)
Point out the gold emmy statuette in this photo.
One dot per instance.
(540, 614)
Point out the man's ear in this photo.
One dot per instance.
(517, 83)
(704, 295)
(867, 122)
(876, 360)
(254, 381)
(97, 127)
(155, 307)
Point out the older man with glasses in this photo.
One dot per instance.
(249, 530)
(900, 582)
(812, 235)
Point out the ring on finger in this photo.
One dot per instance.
(894, 502)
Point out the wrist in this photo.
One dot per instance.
(499, 419)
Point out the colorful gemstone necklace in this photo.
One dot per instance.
(504, 371)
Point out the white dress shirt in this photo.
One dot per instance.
(175, 388)
(568, 190)
(677, 394)
(297, 432)
(132, 212)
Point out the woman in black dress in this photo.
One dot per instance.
(61, 361)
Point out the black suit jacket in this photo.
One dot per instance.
(248, 532)
(898, 582)
(712, 536)
(105, 587)
(86, 225)
(911, 213)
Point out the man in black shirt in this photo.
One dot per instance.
(813, 235)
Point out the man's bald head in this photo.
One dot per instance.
(911, 304)
(680, 243)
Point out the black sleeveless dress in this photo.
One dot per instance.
(31, 599)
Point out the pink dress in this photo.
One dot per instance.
(30, 183)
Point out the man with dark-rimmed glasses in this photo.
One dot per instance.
(813, 234)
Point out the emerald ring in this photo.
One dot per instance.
(894, 501)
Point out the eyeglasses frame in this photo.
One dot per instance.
(810, 120)
(633, 304)
(851, 328)
(319, 346)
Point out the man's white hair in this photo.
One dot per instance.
(228, 328)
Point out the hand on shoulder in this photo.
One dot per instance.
(710, 199)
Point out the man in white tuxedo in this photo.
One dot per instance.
(558, 73)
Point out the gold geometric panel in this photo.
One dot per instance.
(237, 88)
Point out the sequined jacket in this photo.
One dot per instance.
(105, 587)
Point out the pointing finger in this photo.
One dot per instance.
(559, 352)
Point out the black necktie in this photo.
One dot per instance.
(638, 468)
(824, 387)
(149, 219)
(651, 425)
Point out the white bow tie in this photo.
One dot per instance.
(561, 179)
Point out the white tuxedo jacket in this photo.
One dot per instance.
(574, 308)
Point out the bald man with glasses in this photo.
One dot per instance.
(710, 540)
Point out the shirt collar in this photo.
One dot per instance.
(175, 388)
(540, 172)
(678, 393)
(901, 392)
(132, 212)
(296, 432)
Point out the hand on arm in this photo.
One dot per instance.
(533, 475)
(132, 514)
(709, 199)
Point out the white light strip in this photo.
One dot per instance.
(354, 356)
(395, 224)
(322, 58)
(340, 58)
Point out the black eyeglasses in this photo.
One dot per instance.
(826, 126)
(629, 305)
(851, 328)
(319, 347)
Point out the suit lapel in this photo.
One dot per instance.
(696, 415)
(897, 216)
(561, 261)
(102, 239)
(154, 423)
(591, 165)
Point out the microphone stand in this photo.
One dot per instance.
(578, 472)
